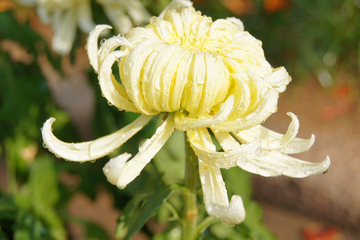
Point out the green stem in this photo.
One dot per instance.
(190, 211)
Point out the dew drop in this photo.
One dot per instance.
(144, 145)
(131, 64)
(102, 41)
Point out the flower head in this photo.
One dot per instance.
(206, 77)
(66, 15)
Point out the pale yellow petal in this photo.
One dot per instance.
(237, 23)
(267, 107)
(92, 45)
(64, 24)
(160, 70)
(271, 140)
(278, 79)
(121, 174)
(134, 70)
(177, 5)
(225, 159)
(91, 150)
(275, 163)
(110, 88)
(184, 123)
(215, 196)
(110, 45)
(272, 163)
(193, 90)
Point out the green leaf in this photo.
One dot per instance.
(42, 189)
(151, 205)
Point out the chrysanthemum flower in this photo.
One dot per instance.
(67, 15)
(206, 78)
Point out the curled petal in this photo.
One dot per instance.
(92, 45)
(271, 140)
(121, 174)
(184, 123)
(177, 5)
(266, 108)
(215, 196)
(278, 79)
(199, 139)
(242, 94)
(237, 22)
(134, 69)
(110, 88)
(298, 145)
(91, 150)
(275, 163)
(113, 168)
(272, 163)
(110, 45)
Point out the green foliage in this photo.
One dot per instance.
(140, 209)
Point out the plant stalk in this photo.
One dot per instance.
(190, 210)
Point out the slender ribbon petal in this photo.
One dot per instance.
(270, 140)
(91, 150)
(198, 140)
(215, 196)
(254, 118)
(110, 45)
(110, 88)
(121, 174)
(92, 45)
(272, 163)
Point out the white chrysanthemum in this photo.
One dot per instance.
(66, 15)
(205, 77)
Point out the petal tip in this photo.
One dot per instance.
(114, 167)
(326, 164)
(232, 214)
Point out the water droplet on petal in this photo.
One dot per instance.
(144, 145)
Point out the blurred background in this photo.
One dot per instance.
(43, 197)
